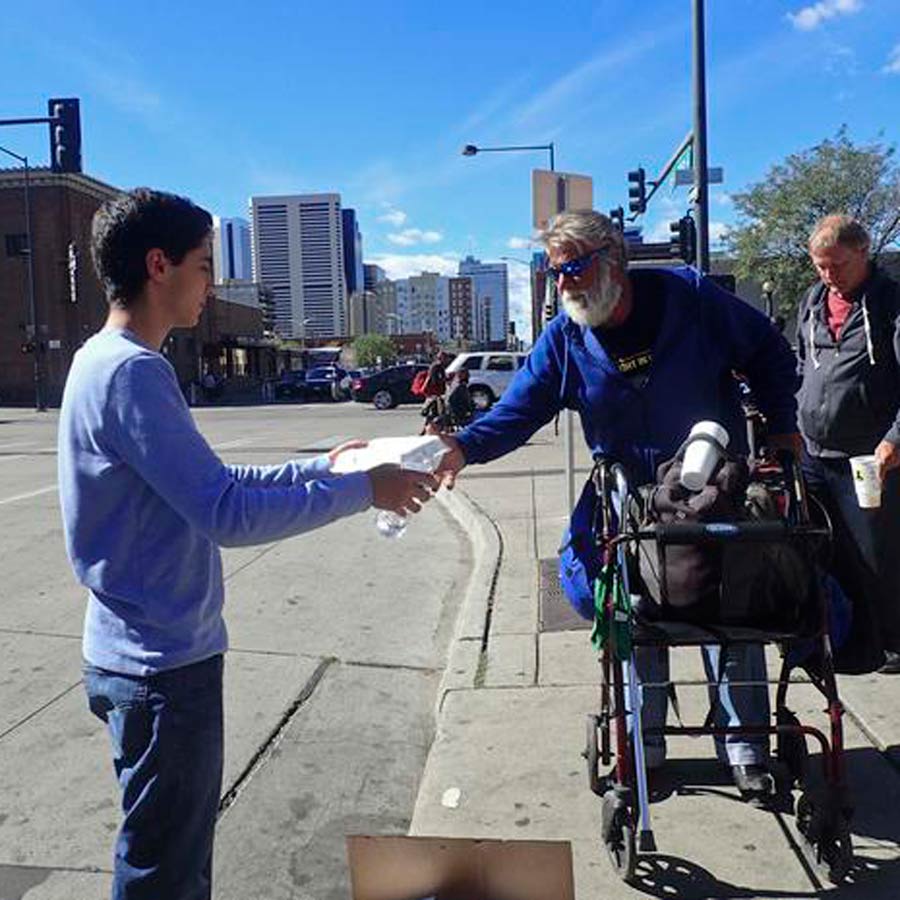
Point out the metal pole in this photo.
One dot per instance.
(568, 415)
(701, 198)
(32, 313)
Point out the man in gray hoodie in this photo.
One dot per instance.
(848, 344)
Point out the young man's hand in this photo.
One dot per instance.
(341, 448)
(399, 489)
(451, 462)
(887, 457)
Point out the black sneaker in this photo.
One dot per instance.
(891, 663)
(753, 781)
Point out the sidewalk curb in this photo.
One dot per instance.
(473, 621)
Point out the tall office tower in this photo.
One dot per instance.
(298, 253)
(353, 255)
(423, 304)
(231, 250)
(490, 286)
(372, 276)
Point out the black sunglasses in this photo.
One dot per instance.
(575, 267)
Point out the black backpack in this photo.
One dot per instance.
(765, 585)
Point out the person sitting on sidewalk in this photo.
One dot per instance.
(146, 504)
(848, 344)
(642, 355)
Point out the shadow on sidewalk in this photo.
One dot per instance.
(874, 785)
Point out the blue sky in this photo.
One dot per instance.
(375, 100)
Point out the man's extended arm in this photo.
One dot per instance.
(152, 431)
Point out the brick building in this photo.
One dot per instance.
(231, 338)
(68, 302)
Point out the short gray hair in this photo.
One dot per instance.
(839, 229)
(585, 230)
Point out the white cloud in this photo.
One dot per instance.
(411, 236)
(892, 66)
(812, 16)
(519, 243)
(395, 217)
(401, 265)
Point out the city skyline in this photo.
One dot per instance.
(372, 101)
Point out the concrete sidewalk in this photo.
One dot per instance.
(511, 728)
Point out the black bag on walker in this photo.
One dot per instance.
(757, 585)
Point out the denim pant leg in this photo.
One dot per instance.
(652, 665)
(739, 704)
(167, 738)
(876, 533)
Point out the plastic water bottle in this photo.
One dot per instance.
(390, 524)
(424, 458)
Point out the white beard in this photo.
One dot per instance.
(595, 306)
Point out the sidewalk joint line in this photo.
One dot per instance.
(274, 738)
(39, 710)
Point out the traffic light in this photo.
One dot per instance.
(683, 239)
(617, 216)
(28, 347)
(637, 190)
(65, 134)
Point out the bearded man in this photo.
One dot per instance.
(641, 355)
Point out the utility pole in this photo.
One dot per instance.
(701, 193)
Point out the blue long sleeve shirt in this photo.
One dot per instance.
(146, 504)
(706, 333)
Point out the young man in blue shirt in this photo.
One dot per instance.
(146, 504)
(642, 355)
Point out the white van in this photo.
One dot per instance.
(490, 372)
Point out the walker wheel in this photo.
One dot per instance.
(618, 833)
(825, 828)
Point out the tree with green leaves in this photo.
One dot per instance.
(777, 215)
(367, 348)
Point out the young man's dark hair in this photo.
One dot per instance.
(129, 225)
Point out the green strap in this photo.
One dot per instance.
(612, 619)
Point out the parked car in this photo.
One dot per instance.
(490, 373)
(347, 380)
(387, 388)
(324, 382)
(290, 386)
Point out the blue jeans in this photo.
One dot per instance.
(875, 533)
(735, 705)
(167, 740)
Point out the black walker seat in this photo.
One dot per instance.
(823, 810)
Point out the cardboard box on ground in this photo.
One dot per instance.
(436, 868)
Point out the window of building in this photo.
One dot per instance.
(17, 244)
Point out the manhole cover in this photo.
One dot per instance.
(556, 613)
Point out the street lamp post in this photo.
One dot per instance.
(32, 312)
(768, 290)
(568, 418)
(472, 149)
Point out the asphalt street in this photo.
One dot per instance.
(338, 642)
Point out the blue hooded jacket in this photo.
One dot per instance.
(705, 334)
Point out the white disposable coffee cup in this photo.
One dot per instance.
(864, 470)
(701, 455)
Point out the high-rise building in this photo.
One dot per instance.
(490, 289)
(372, 276)
(353, 255)
(298, 253)
(423, 304)
(461, 310)
(232, 259)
